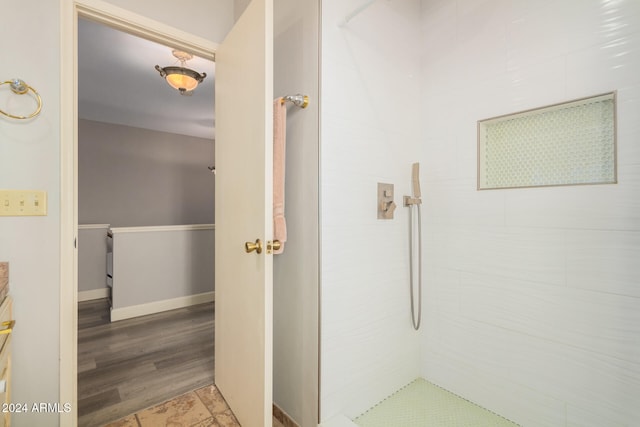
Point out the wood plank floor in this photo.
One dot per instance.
(133, 364)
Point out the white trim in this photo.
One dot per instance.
(93, 294)
(68, 351)
(160, 306)
(155, 228)
(138, 25)
(92, 226)
(135, 24)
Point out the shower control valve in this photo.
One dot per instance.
(389, 207)
(386, 205)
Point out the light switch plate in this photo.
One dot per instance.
(23, 203)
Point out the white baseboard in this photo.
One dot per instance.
(93, 294)
(160, 306)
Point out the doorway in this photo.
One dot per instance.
(141, 27)
(144, 153)
(244, 68)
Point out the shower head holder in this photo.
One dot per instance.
(409, 201)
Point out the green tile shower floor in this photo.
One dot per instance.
(422, 404)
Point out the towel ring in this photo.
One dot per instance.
(19, 87)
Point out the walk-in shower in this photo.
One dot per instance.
(529, 298)
(411, 202)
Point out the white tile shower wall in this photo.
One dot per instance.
(532, 298)
(370, 134)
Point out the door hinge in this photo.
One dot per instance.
(75, 242)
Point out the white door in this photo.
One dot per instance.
(244, 159)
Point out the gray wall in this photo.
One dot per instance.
(295, 285)
(156, 265)
(92, 257)
(138, 177)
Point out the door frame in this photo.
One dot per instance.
(135, 24)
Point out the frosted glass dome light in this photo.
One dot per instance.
(183, 79)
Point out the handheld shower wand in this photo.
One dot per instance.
(410, 202)
(415, 180)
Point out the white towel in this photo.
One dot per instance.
(279, 162)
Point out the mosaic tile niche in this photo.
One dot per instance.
(565, 144)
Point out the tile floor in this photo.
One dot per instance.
(421, 403)
(204, 407)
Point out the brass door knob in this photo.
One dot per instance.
(8, 327)
(273, 246)
(250, 246)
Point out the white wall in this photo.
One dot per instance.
(532, 298)
(239, 7)
(295, 284)
(370, 134)
(30, 158)
(211, 20)
(138, 177)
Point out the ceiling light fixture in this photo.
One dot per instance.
(180, 78)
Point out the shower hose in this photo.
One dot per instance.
(416, 323)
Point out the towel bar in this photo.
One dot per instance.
(299, 100)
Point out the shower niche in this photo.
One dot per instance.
(570, 143)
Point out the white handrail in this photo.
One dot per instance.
(92, 226)
(154, 228)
